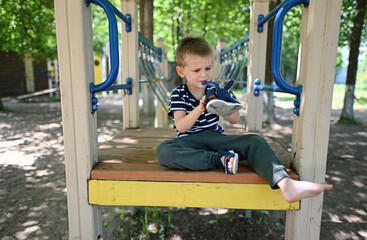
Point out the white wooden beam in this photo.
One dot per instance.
(317, 61)
(161, 117)
(75, 54)
(256, 65)
(129, 64)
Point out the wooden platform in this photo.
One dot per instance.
(128, 174)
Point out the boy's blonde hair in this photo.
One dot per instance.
(192, 45)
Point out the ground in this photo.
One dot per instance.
(33, 201)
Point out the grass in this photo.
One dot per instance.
(360, 102)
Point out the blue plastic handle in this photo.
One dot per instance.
(277, 46)
(114, 54)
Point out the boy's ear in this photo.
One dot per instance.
(180, 71)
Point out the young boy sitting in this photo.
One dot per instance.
(200, 143)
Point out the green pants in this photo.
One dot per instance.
(197, 152)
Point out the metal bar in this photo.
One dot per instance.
(239, 42)
(262, 20)
(148, 43)
(144, 71)
(150, 56)
(146, 63)
(113, 38)
(128, 86)
(277, 46)
(124, 18)
(258, 88)
(161, 91)
(241, 71)
(227, 58)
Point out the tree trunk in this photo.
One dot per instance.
(269, 114)
(146, 28)
(354, 43)
(146, 18)
(1, 104)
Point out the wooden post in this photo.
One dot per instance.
(217, 66)
(129, 65)
(256, 65)
(161, 117)
(147, 97)
(75, 54)
(317, 61)
(29, 73)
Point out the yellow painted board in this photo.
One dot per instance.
(97, 69)
(187, 194)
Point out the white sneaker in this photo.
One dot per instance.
(222, 108)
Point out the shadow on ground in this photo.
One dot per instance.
(33, 193)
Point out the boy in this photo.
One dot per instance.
(200, 144)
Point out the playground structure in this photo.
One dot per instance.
(318, 43)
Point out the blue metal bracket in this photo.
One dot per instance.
(258, 87)
(114, 52)
(127, 87)
(159, 52)
(128, 25)
(260, 24)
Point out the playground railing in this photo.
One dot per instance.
(233, 60)
(110, 11)
(279, 13)
(150, 58)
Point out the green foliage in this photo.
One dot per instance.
(290, 43)
(346, 24)
(100, 26)
(28, 27)
(214, 20)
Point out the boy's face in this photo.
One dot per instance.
(197, 69)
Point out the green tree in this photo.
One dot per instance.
(353, 30)
(28, 27)
(212, 19)
(100, 26)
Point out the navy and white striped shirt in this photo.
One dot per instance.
(183, 100)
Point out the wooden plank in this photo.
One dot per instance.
(39, 93)
(148, 132)
(131, 156)
(151, 171)
(128, 157)
(169, 194)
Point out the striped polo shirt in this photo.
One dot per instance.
(183, 100)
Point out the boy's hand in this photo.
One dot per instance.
(203, 103)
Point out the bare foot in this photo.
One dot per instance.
(294, 191)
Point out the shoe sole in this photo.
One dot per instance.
(222, 108)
